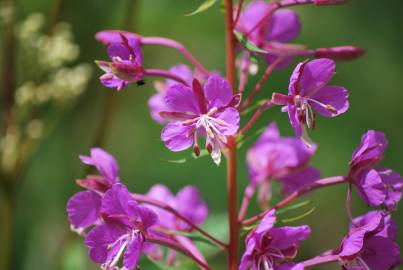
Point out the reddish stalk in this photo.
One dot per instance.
(144, 199)
(325, 182)
(232, 191)
(248, 194)
(164, 74)
(177, 46)
(176, 246)
(255, 116)
(238, 12)
(320, 260)
(260, 84)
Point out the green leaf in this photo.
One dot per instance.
(176, 161)
(247, 43)
(288, 220)
(293, 207)
(203, 7)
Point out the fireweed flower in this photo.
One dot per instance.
(376, 186)
(369, 246)
(309, 93)
(126, 66)
(83, 208)
(201, 111)
(273, 34)
(283, 158)
(189, 204)
(269, 247)
(156, 103)
(122, 235)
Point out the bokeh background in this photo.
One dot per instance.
(41, 235)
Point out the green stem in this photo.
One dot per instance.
(7, 203)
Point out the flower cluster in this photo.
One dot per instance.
(195, 104)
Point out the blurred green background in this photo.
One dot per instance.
(42, 239)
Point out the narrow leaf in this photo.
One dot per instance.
(294, 206)
(247, 43)
(203, 7)
(288, 220)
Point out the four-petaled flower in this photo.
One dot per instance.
(376, 186)
(272, 248)
(271, 31)
(83, 208)
(370, 244)
(122, 233)
(283, 158)
(156, 103)
(309, 93)
(190, 205)
(201, 111)
(126, 66)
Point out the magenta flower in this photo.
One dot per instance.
(379, 187)
(299, 179)
(156, 103)
(114, 36)
(122, 234)
(272, 34)
(126, 66)
(273, 156)
(369, 152)
(308, 93)
(366, 247)
(389, 229)
(187, 202)
(83, 208)
(201, 111)
(269, 247)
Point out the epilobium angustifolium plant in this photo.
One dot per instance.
(200, 110)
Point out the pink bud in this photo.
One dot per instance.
(342, 53)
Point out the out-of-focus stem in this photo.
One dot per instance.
(177, 46)
(248, 194)
(260, 84)
(255, 116)
(8, 60)
(176, 246)
(55, 13)
(238, 12)
(232, 190)
(164, 74)
(144, 199)
(325, 182)
(7, 203)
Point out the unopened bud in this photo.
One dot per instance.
(342, 53)
(329, 2)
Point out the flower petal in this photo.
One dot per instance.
(370, 187)
(180, 98)
(294, 120)
(231, 118)
(182, 71)
(117, 201)
(381, 253)
(287, 237)
(157, 104)
(218, 92)
(271, 133)
(299, 179)
(100, 238)
(284, 26)
(394, 184)
(191, 205)
(83, 209)
(133, 252)
(314, 75)
(177, 137)
(118, 50)
(113, 36)
(330, 101)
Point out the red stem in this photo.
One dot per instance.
(177, 46)
(144, 199)
(255, 116)
(296, 194)
(238, 12)
(233, 246)
(260, 84)
(248, 194)
(176, 246)
(164, 74)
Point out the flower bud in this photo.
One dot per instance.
(342, 53)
